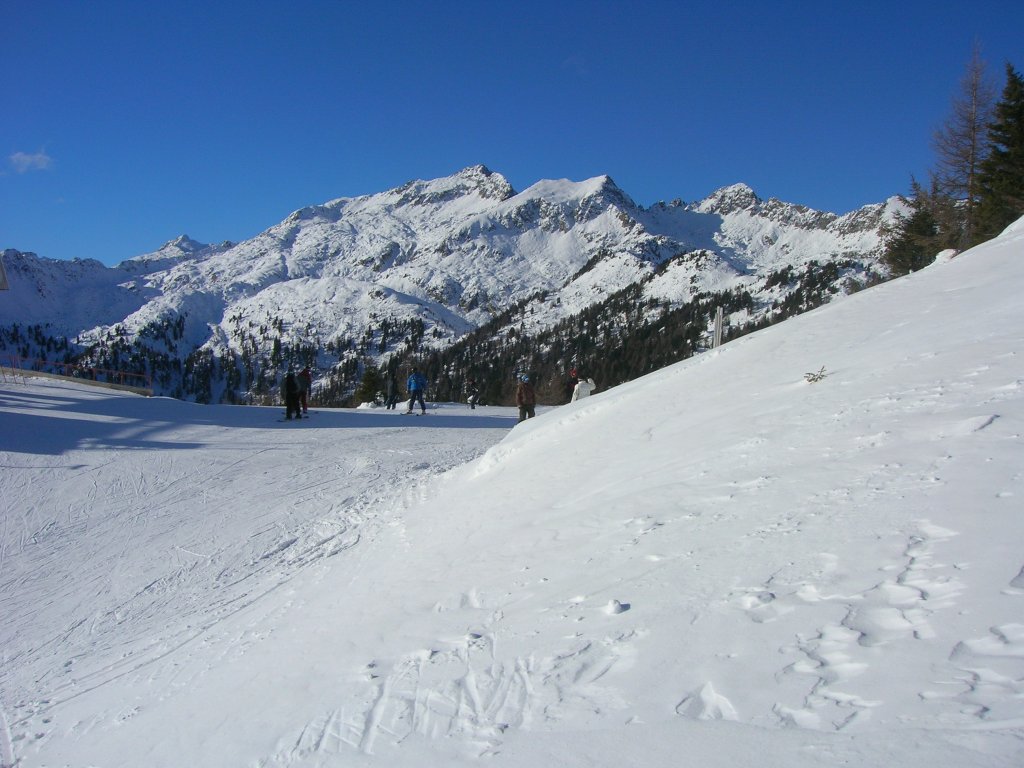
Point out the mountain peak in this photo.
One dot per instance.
(476, 179)
(479, 171)
(614, 193)
(599, 189)
(184, 243)
(735, 197)
(181, 248)
(487, 182)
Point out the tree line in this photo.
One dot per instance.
(621, 338)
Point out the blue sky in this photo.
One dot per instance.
(130, 123)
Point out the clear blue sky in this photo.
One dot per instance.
(126, 124)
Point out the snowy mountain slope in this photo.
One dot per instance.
(61, 293)
(840, 556)
(452, 253)
(773, 234)
(721, 560)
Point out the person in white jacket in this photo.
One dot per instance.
(583, 389)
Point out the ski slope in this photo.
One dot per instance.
(722, 563)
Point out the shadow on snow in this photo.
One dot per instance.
(52, 423)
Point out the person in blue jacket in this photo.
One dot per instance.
(416, 385)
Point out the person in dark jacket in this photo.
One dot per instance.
(305, 381)
(291, 397)
(390, 391)
(417, 385)
(526, 399)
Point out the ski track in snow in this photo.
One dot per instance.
(463, 689)
(158, 607)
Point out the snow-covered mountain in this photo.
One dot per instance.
(719, 564)
(350, 278)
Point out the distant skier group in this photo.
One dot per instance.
(526, 395)
(297, 387)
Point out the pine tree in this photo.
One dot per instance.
(960, 147)
(916, 239)
(371, 385)
(1001, 180)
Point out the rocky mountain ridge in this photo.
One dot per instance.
(356, 282)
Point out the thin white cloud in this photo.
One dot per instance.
(22, 162)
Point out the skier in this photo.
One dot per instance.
(570, 383)
(305, 381)
(583, 389)
(390, 391)
(526, 398)
(416, 385)
(474, 394)
(291, 397)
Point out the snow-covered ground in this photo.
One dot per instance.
(719, 564)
